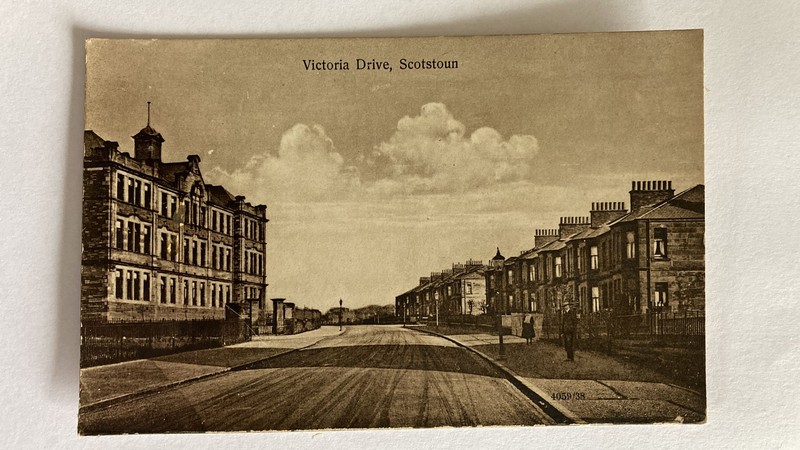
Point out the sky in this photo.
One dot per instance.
(373, 179)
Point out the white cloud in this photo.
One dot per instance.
(306, 168)
(432, 153)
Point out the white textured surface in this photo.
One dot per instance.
(752, 66)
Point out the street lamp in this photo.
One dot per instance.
(340, 314)
(501, 351)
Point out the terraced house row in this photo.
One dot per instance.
(648, 258)
(460, 289)
(160, 243)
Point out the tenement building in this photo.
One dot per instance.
(159, 243)
(459, 290)
(651, 258)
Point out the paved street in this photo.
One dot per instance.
(369, 376)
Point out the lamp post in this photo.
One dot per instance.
(501, 351)
(340, 314)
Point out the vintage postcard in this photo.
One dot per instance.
(312, 234)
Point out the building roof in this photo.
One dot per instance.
(218, 195)
(168, 171)
(149, 133)
(558, 244)
(92, 140)
(689, 204)
(498, 256)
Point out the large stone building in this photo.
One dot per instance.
(159, 243)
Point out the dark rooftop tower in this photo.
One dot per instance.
(148, 141)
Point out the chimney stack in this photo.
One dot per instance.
(603, 212)
(544, 237)
(571, 225)
(645, 193)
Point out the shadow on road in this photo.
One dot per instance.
(409, 357)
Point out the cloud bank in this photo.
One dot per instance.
(430, 153)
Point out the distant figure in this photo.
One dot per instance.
(569, 325)
(527, 329)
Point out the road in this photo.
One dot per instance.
(368, 377)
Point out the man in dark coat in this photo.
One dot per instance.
(569, 326)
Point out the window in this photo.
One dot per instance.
(227, 259)
(131, 190)
(661, 293)
(120, 187)
(147, 195)
(532, 272)
(194, 293)
(162, 290)
(660, 242)
(135, 286)
(185, 292)
(146, 239)
(172, 290)
(146, 287)
(128, 283)
(227, 294)
(164, 204)
(137, 193)
(131, 232)
(630, 245)
(213, 256)
(164, 245)
(194, 252)
(469, 288)
(213, 295)
(595, 298)
(510, 276)
(120, 235)
(186, 251)
(202, 294)
(581, 255)
(558, 267)
(593, 256)
(173, 206)
(118, 284)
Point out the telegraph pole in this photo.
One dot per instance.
(340, 314)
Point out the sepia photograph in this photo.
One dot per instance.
(368, 233)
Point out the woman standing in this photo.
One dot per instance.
(527, 329)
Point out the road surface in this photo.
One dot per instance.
(368, 377)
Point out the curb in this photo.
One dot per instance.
(102, 404)
(555, 410)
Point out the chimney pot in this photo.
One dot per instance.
(669, 184)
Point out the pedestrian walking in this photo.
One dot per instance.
(569, 326)
(527, 329)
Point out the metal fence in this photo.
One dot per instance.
(105, 343)
(653, 325)
(482, 320)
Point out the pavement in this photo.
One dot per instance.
(598, 400)
(102, 386)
